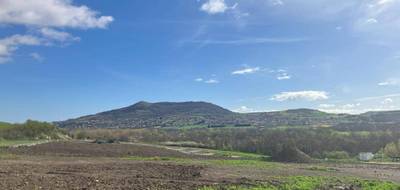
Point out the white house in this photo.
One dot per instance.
(366, 156)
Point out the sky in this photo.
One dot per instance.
(62, 59)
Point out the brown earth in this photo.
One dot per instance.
(104, 174)
(86, 149)
(83, 165)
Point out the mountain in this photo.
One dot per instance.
(163, 114)
(385, 117)
(178, 114)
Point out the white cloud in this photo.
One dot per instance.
(327, 106)
(277, 2)
(379, 19)
(50, 13)
(378, 97)
(371, 21)
(37, 57)
(10, 44)
(215, 6)
(390, 82)
(347, 108)
(199, 79)
(249, 41)
(301, 95)
(357, 109)
(245, 71)
(53, 34)
(207, 81)
(244, 109)
(46, 17)
(211, 81)
(350, 106)
(387, 101)
(283, 76)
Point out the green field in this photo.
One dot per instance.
(309, 183)
(246, 163)
(7, 143)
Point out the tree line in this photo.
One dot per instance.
(283, 144)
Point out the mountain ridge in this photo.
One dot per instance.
(177, 114)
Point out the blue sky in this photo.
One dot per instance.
(61, 59)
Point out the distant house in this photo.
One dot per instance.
(365, 156)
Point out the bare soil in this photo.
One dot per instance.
(83, 165)
(87, 149)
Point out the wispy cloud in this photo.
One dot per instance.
(244, 109)
(301, 95)
(212, 81)
(56, 35)
(390, 82)
(283, 76)
(244, 71)
(199, 79)
(358, 108)
(387, 101)
(37, 57)
(378, 97)
(249, 41)
(207, 81)
(325, 106)
(10, 44)
(277, 2)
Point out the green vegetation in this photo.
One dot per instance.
(5, 125)
(7, 143)
(311, 183)
(339, 155)
(321, 169)
(30, 130)
(282, 144)
(392, 149)
(214, 162)
(184, 144)
(241, 155)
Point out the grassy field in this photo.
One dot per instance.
(279, 183)
(7, 143)
(307, 183)
(211, 162)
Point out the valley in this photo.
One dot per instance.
(201, 146)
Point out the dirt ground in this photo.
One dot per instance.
(83, 165)
(87, 149)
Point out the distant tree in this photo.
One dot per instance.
(392, 149)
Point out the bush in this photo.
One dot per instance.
(337, 155)
(29, 130)
(392, 149)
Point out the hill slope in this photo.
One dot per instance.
(173, 114)
(163, 114)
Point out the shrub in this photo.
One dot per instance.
(337, 155)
